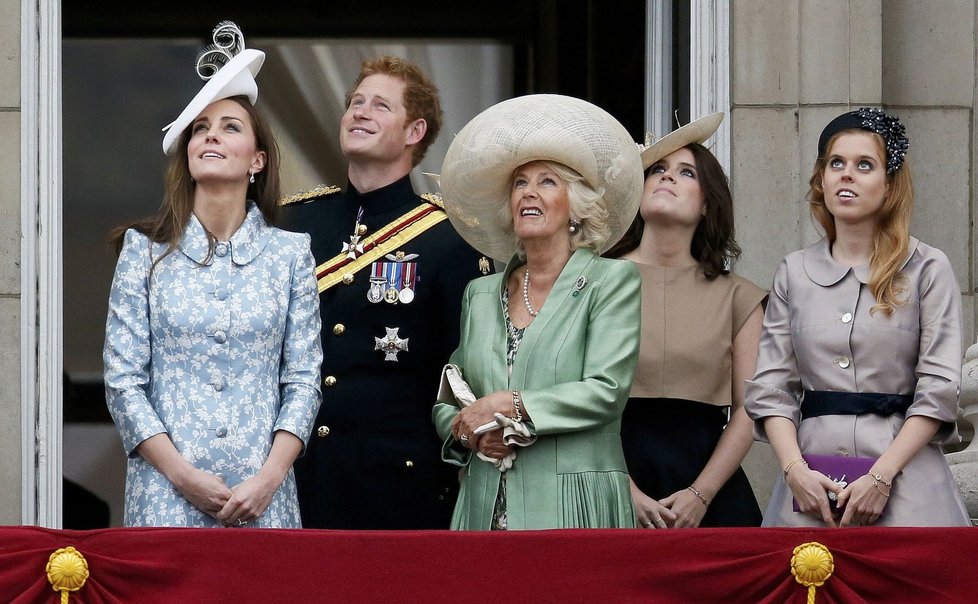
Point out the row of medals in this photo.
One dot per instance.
(391, 295)
(377, 291)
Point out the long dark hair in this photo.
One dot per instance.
(168, 223)
(713, 246)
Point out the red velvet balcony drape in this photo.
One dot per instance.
(702, 565)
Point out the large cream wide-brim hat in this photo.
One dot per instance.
(477, 175)
(235, 78)
(697, 131)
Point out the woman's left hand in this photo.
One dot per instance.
(491, 445)
(479, 413)
(249, 500)
(863, 503)
(687, 507)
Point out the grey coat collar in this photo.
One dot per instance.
(823, 269)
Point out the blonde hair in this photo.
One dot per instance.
(587, 206)
(891, 238)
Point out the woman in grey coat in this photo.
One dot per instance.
(860, 359)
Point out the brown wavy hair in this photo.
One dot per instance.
(420, 96)
(891, 239)
(714, 245)
(167, 225)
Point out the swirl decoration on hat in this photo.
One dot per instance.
(228, 41)
(892, 131)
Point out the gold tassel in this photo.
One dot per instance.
(812, 565)
(67, 571)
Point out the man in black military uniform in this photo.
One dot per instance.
(391, 273)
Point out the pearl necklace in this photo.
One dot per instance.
(526, 294)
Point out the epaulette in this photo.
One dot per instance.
(303, 196)
(434, 198)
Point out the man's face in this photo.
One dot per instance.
(374, 127)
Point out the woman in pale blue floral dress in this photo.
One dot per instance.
(212, 349)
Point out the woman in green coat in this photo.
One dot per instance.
(548, 346)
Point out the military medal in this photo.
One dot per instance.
(355, 248)
(376, 292)
(391, 344)
(408, 275)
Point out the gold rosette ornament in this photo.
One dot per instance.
(67, 571)
(812, 565)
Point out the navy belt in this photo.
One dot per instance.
(823, 402)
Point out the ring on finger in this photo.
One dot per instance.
(463, 438)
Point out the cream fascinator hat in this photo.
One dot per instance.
(697, 131)
(477, 175)
(229, 70)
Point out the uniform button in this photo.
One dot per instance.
(218, 384)
(222, 294)
(222, 432)
(221, 250)
(330, 381)
(347, 278)
(844, 362)
(441, 498)
(338, 329)
(322, 431)
(408, 464)
(847, 317)
(220, 337)
(362, 229)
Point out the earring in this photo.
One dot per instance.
(251, 174)
(574, 227)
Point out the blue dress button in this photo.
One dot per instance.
(220, 337)
(222, 294)
(222, 432)
(218, 384)
(221, 250)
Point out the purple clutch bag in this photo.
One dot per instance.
(839, 468)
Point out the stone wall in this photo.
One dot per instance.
(10, 285)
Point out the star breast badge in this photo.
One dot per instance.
(391, 344)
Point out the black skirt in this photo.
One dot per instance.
(668, 442)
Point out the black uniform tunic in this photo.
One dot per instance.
(374, 460)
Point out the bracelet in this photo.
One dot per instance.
(879, 478)
(876, 485)
(517, 406)
(788, 467)
(696, 492)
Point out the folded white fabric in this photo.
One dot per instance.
(454, 389)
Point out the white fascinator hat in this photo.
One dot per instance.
(477, 175)
(228, 68)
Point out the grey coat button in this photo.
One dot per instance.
(847, 317)
(844, 362)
